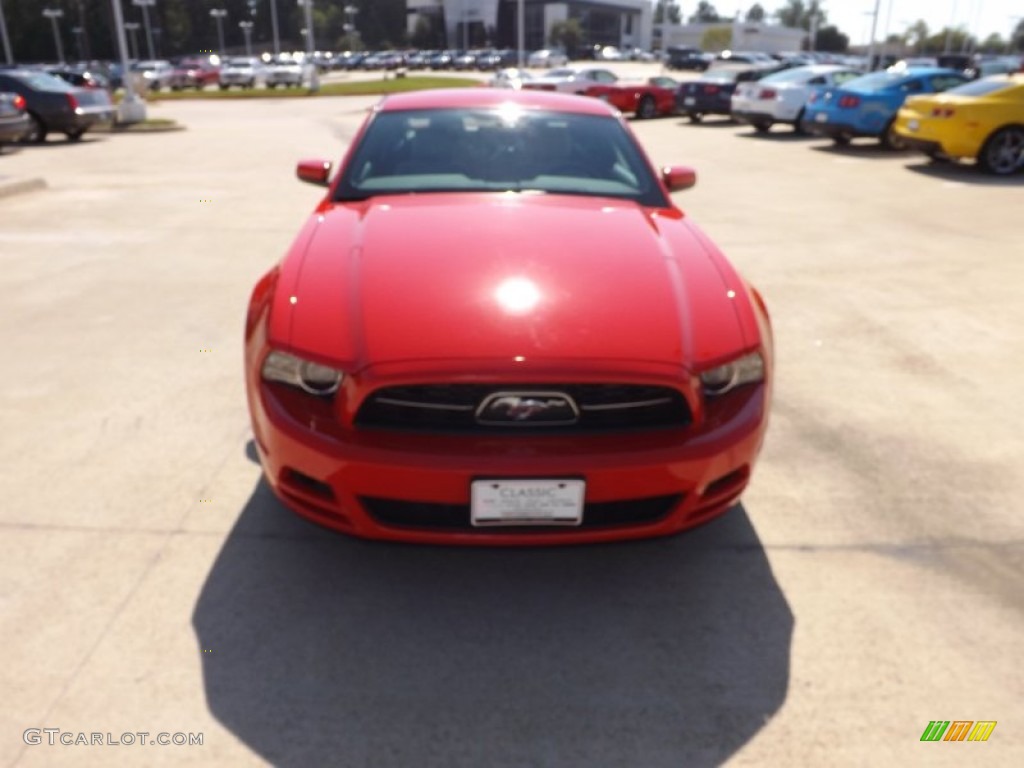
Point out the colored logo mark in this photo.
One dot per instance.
(958, 730)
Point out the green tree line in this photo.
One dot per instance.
(185, 26)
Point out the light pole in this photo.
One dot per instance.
(132, 109)
(247, 31)
(949, 30)
(314, 76)
(133, 27)
(8, 54)
(273, 23)
(53, 14)
(218, 15)
(520, 34)
(871, 44)
(350, 26)
(144, 5)
(77, 32)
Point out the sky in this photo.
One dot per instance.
(853, 17)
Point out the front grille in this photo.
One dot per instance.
(455, 517)
(452, 408)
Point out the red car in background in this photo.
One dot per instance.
(195, 73)
(497, 328)
(654, 97)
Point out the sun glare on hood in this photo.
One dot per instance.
(517, 295)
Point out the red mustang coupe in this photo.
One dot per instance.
(653, 97)
(497, 328)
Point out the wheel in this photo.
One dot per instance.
(695, 117)
(271, 86)
(74, 135)
(762, 126)
(1003, 153)
(890, 139)
(224, 87)
(36, 130)
(646, 109)
(841, 139)
(797, 128)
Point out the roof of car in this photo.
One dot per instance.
(460, 98)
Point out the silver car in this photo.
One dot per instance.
(243, 71)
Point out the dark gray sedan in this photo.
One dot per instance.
(54, 105)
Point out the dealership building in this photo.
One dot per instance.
(471, 23)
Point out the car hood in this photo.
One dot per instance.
(504, 276)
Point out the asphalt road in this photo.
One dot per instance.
(869, 583)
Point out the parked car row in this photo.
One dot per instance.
(34, 104)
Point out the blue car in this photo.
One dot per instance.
(867, 105)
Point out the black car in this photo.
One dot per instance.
(81, 78)
(14, 122)
(55, 105)
(687, 58)
(711, 93)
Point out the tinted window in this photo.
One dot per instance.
(41, 81)
(945, 82)
(844, 77)
(912, 86)
(498, 150)
(876, 81)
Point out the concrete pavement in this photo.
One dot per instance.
(868, 584)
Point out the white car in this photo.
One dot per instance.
(571, 79)
(547, 57)
(780, 98)
(155, 73)
(511, 77)
(284, 71)
(243, 71)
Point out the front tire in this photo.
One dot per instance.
(1003, 152)
(841, 140)
(695, 117)
(762, 126)
(75, 135)
(798, 129)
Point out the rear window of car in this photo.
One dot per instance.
(41, 81)
(799, 75)
(982, 87)
(877, 81)
(498, 150)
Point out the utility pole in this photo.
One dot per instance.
(53, 14)
(871, 44)
(520, 33)
(246, 27)
(145, 5)
(8, 53)
(218, 15)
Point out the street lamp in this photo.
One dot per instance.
(247, 31)
(273, 23)
(8, 54)
(314, 76)
(350, 24)
(133, 27)
(53, 14)
(219, 14)
(144, 4)
(78, 32)
(871, 44)
(132, 109)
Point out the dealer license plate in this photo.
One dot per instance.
(527, 502)
(821, 117)
(689, 101)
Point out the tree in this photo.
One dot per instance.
(705, 13)
(567, 34)
(831, 40)
(959, 40)
(1017, 37)
(423, 35)
(798, 15)
(756, 13)
(675, 16)
(917, 34)
(994, 43)
(716, 39)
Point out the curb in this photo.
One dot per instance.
(10, 187)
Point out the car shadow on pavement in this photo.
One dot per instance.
(964, 173)
(327, 650)
(782, 134)
(715, 121)
(867, 148)
(56, 140)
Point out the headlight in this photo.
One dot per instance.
(308, 376)
(743, 370)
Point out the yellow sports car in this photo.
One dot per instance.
(983, 119)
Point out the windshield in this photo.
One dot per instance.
(982, 87)
(240, 62)
(498, 150)
(877, 81)
(41, 81)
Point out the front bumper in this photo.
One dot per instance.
(416, 487)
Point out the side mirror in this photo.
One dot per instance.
(677, 177)
(314, 171)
